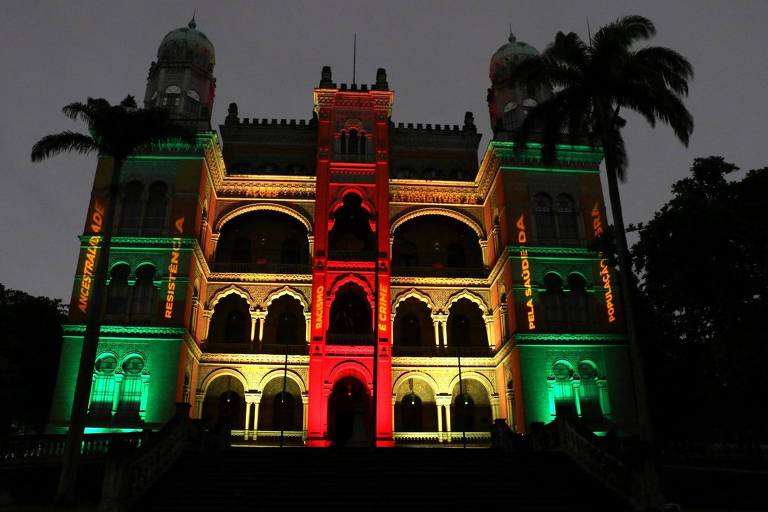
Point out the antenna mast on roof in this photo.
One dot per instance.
(354, 57)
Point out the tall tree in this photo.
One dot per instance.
(703, 265)
(591, 82)
(30, 343)
(116, 132)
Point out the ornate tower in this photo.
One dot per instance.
(182, 78)
(351, 268)
(507, 104)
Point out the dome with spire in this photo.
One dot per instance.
(507, 56)
(187, 44)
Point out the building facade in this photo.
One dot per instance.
(329, 277)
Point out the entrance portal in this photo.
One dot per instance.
(349, 411)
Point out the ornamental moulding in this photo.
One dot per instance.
(144, 330)
(569, 338)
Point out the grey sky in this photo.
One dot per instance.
(269, 56)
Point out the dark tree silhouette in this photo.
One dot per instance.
(703, 266)
(115, 131)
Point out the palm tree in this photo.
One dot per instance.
(116, 131)
(591, 83)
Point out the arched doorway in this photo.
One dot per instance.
(470, 407)
(415, 408)
(224, 404)
(281, 410)
(349, 412)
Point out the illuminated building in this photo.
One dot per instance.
(296, 244)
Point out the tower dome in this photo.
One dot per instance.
(182, 78)
(185, 44)
(508, 103)
(509, 54)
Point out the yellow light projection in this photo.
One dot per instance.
(525, 273)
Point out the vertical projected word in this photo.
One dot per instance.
(89, 264)
(383, 288)
(605, 273)
(319, 307)
(173, 268)
(525, 273)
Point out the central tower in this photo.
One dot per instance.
(350, 358)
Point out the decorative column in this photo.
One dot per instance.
(254, 320)
(444, 400)
(391, 245)
(261, 316)
(307, 325)
(207, 314)
(494, 399)
(511, 409)
(442, 321)
(250, 399)
(311, 240)
(199, 399)
(305, 406)
(435, 324)
(484, 251)
(503, 310)
(439, 409)
(488, 319)
(256, 400)
(214, 244)
(605, 403)
(576, 400)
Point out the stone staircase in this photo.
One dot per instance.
(397, 479)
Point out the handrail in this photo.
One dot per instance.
(127, 479)
(563, 435)
(49, 448)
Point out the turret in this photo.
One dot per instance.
(182, 78)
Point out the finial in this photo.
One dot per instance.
(511, 37)
(192, 23)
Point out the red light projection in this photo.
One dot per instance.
(525, 273)
(605, 273)
(97, 219)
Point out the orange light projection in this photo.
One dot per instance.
(173, 268)
(97, 220)
(605, 274)
(525, 273)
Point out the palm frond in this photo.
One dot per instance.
(623, 32)
(568, 50)
(672, 69)
(64, 142)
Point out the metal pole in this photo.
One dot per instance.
(463, 400)
(282, 397)
(375, 331)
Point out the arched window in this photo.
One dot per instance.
(118, 290)
(193, 103)
(130, 213)
(578, 302)
(155, 213)
(544, 217)
(351, 228)
(129, 406)
(410, 331)
(562, 373)
(566, 218)
(287, 326)
(103, 388)
(283, 408)
(553, 303)
(290, 252)
(411, 413)
(241, 250)
(353, 147)
(350, 313)
(236, 327)
(455, 256)
(143, 292)
(589, 394)
(461, 332)
(172, 97)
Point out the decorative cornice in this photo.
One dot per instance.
(143, 242)
(568, 338)
(534, 250)
(209, 357)
(259, 278)
(128, 330)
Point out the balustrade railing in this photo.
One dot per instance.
(581, 446)
(43, 449)
(439, 271)
(217, 347)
